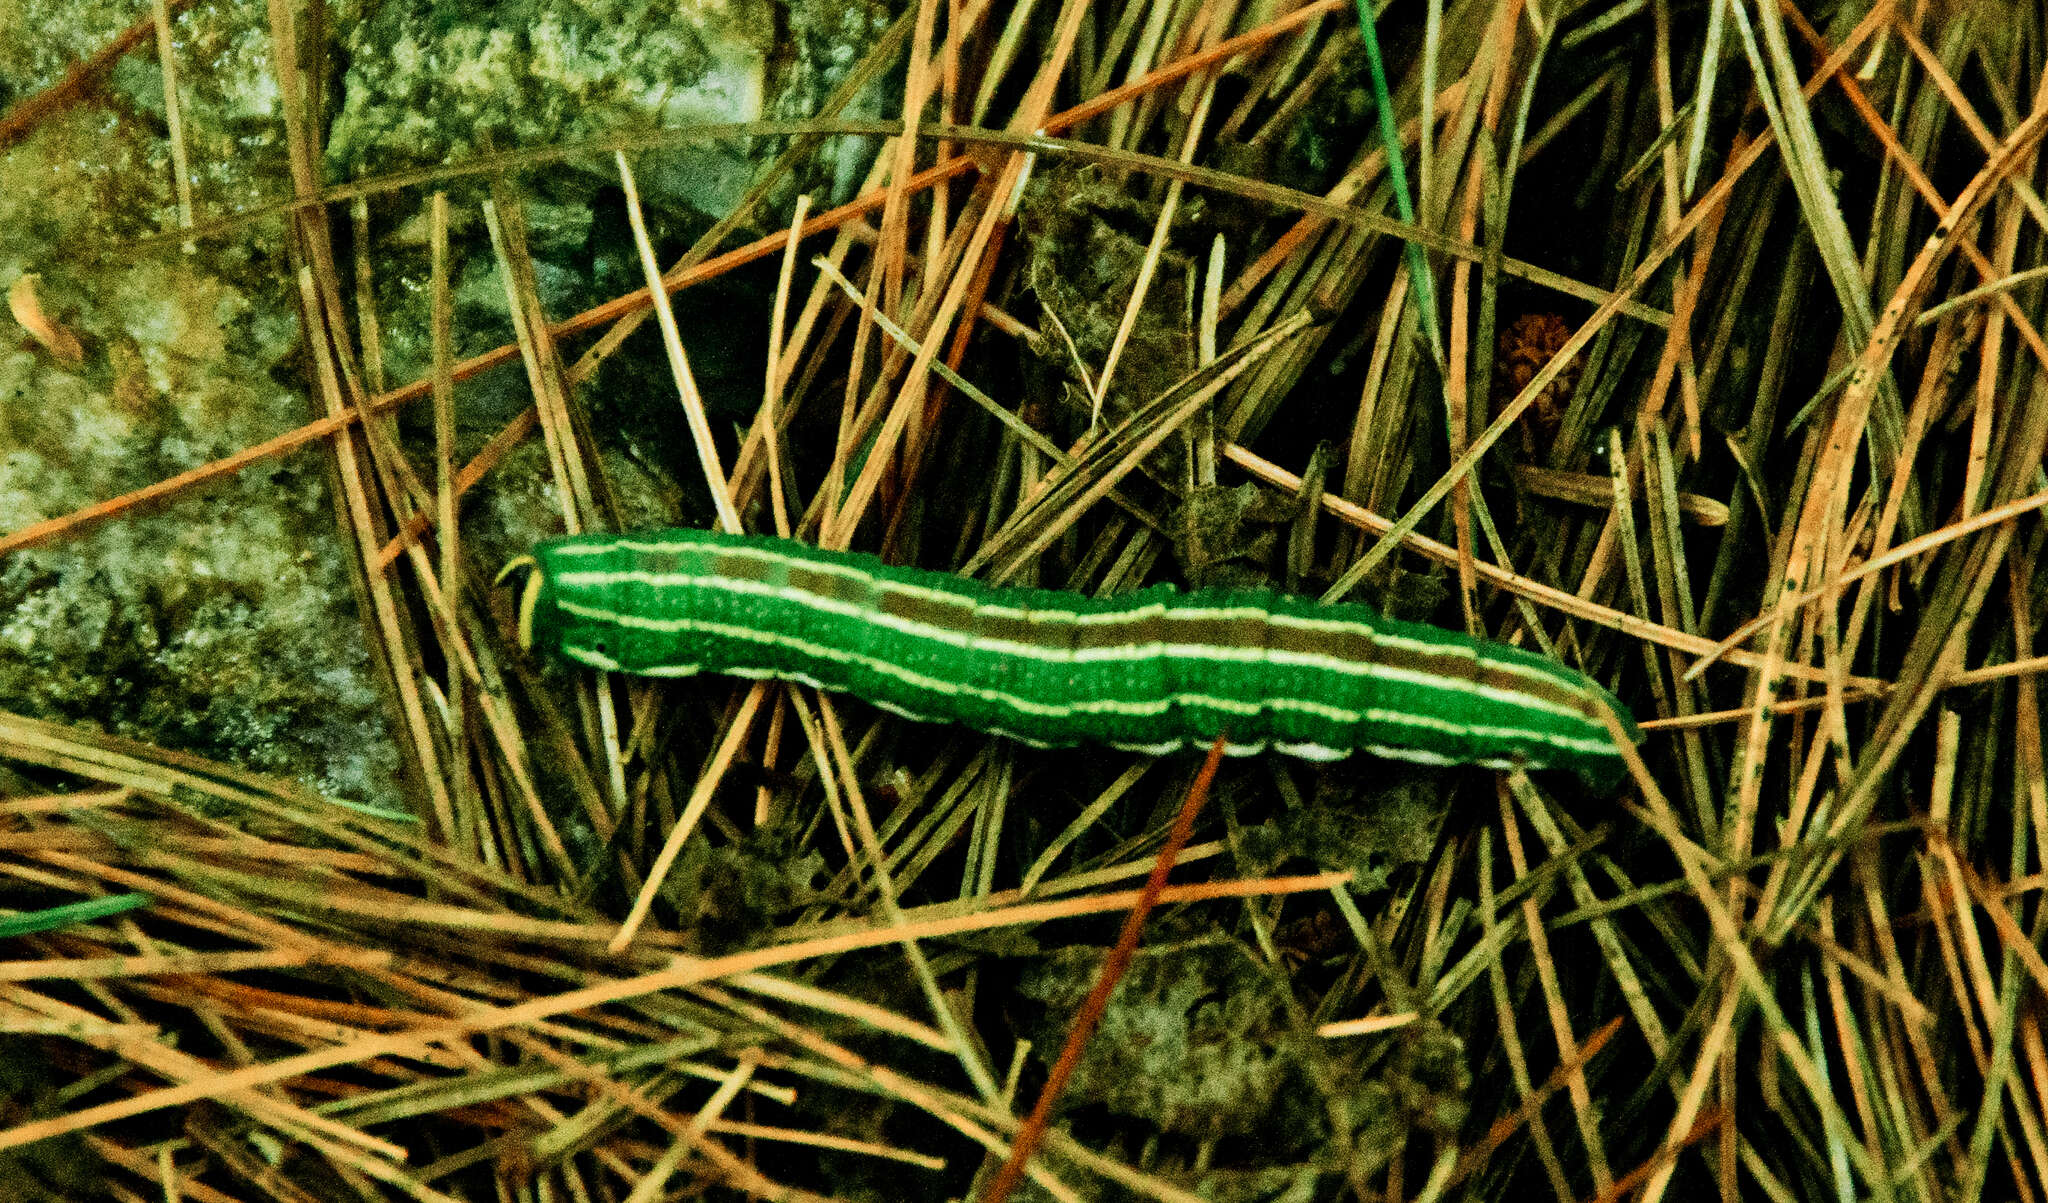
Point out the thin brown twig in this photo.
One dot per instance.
(1507, 1125)
(1119, 960)
(680, 973)
(21, 120)
(1628, 1182)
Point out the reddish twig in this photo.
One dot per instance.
(1511, 1123)
(22, 119)
(1628, 1182)
(1113, 969)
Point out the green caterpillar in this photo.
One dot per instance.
(1152, 671)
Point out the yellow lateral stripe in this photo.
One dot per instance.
(853, 572)
(1130, 652)
(1022, 705)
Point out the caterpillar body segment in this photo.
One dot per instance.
(1154, 670)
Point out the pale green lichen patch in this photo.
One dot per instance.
(1197, 1043)
(434, 82)
(1371, 828)
(40, 39)
(1193, 1040)
(732, 896)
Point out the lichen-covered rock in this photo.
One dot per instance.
(427, 83)
(442, 82)
(224, 625)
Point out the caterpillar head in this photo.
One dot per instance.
(529, 594)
